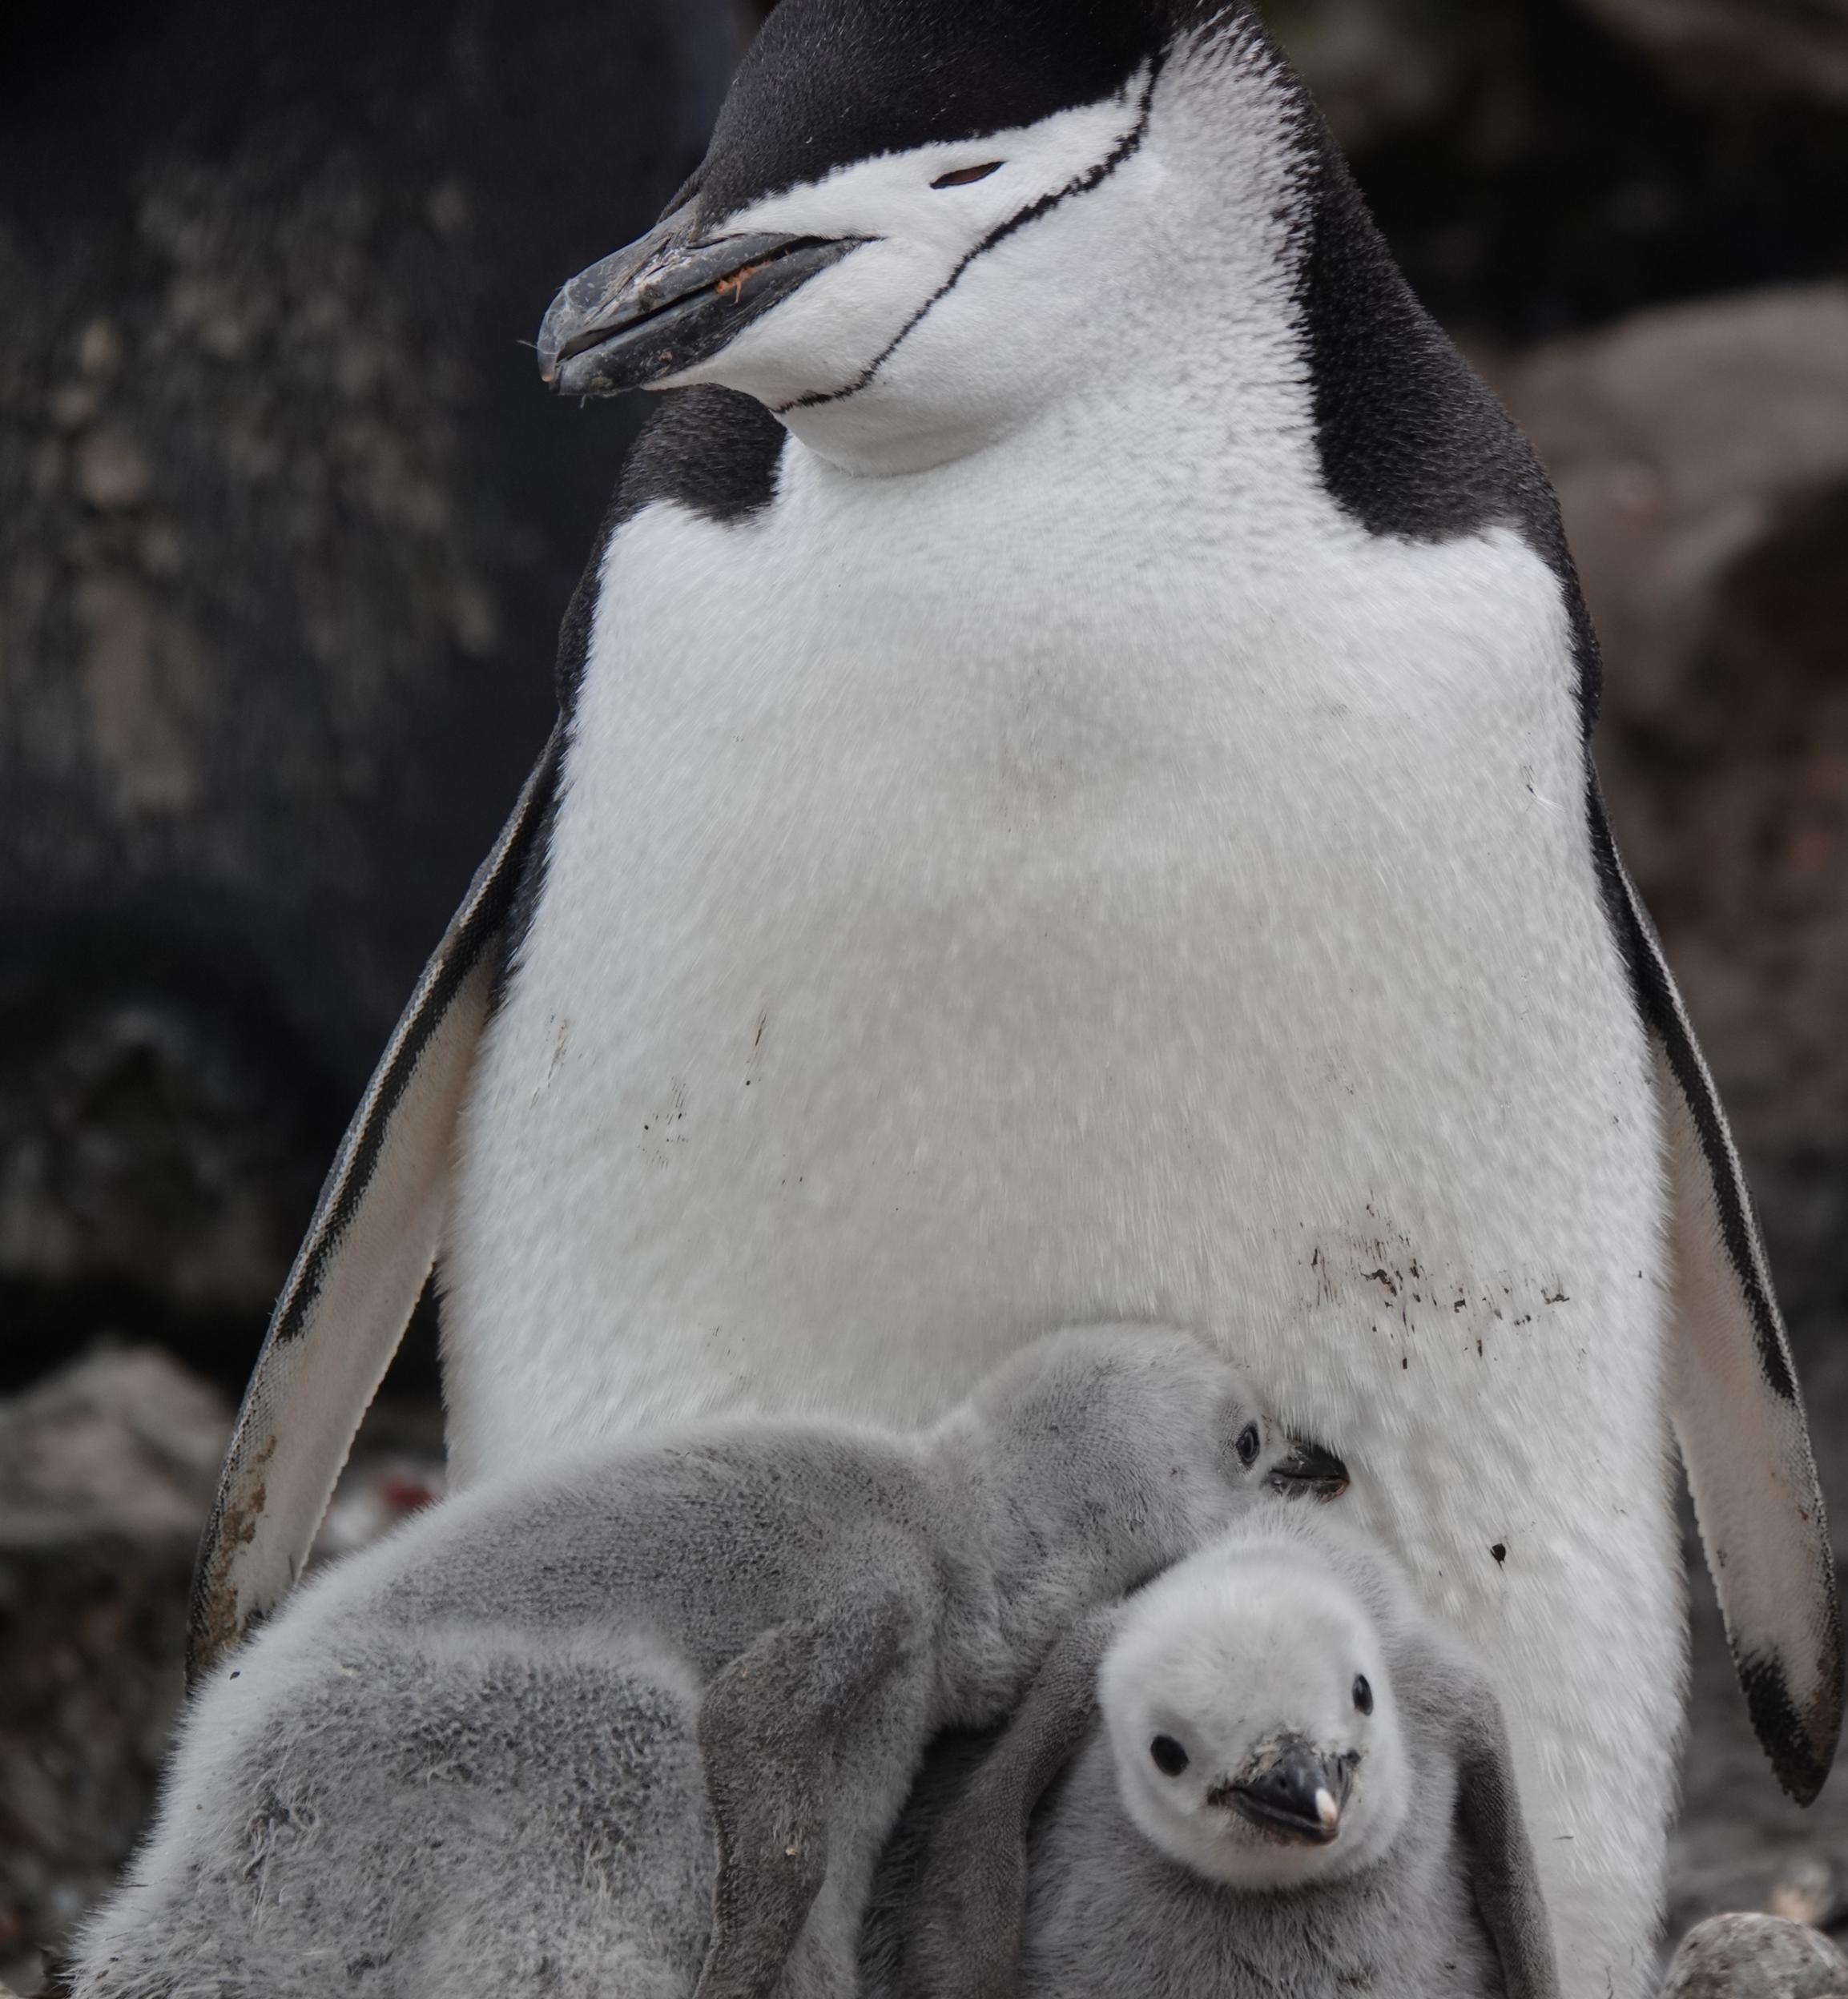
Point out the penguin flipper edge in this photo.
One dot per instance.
(1735, 1402)
(361, 1267)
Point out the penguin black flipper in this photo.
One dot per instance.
(363, 1263)
(1733, 1393)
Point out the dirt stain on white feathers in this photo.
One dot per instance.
(1376, 1268)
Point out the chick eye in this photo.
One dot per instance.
(1363, 1694)
(1248, 1443)
(1170, 1757)
(963, 176)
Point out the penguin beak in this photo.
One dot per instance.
(1291, 1789)
(669, 301)
(1309, 1468)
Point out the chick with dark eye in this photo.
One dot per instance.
(1170, 1757)
(1363, 1694)
(1249, 1440)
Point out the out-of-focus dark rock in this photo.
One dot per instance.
(123, 1442)
(1538, 173)
(1730, 45)
(287, 527)
(1377, 67)
(151, 1145)
(1753, 1956)
(105, 1471)
(1679, 439)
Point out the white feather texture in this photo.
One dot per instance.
(1090, 877)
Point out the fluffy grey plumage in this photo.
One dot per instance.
(1299, 1791)
(493, 1754)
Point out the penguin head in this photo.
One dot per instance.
(917, 218)
(1249, 1711)
(1134, 1443)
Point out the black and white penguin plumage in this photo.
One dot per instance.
(1072, 801)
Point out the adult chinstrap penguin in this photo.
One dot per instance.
(1073, 802)
(1284, 1781)
(498, 1751)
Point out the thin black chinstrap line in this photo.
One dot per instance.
(1095, 177)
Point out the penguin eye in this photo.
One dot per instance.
(1363, 1694)
(1170, 1757)
(963, 176)
(1248, 1443)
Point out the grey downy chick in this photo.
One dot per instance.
(639, 1725)
(1284, 1782)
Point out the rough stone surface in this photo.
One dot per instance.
(1755, 1957)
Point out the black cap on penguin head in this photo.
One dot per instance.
(845, 87)
(829, 82)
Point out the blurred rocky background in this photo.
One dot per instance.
(287, 526)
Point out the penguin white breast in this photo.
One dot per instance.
(987, 899)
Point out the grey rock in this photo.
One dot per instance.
(122, 1443)
(1677, 440)
(1753, 1956)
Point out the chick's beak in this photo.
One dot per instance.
(669, 300)
(1291, 1789)
(1309, 1468)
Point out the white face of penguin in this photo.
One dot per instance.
(922, 220)
(919, 219)
(1251, 1721)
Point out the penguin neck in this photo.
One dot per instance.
(1156, 313)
